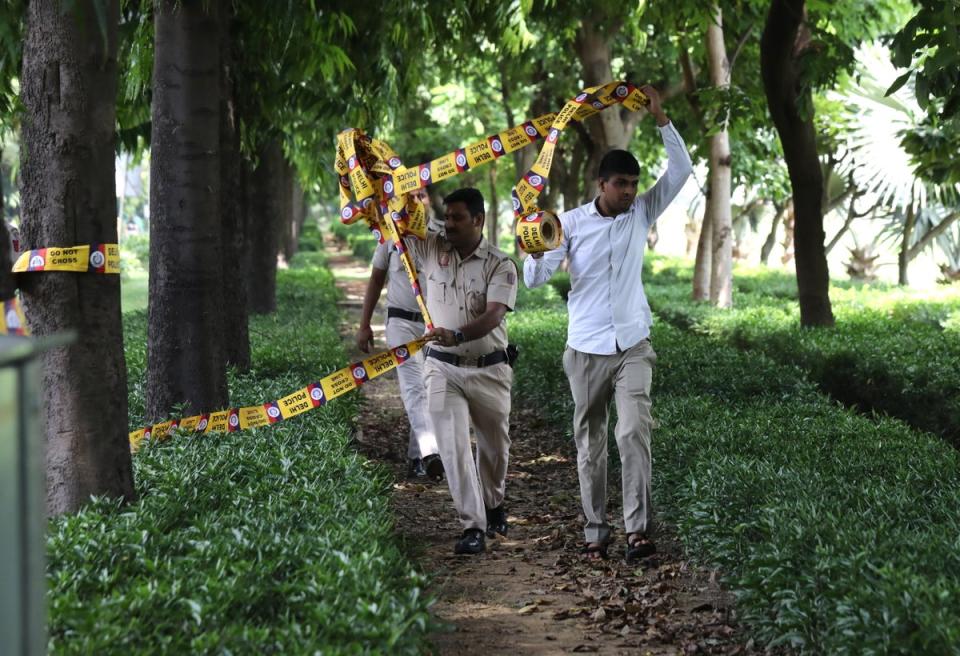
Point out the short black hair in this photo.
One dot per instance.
(618, 161)
(471, 197)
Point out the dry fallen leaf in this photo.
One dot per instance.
(526, 610)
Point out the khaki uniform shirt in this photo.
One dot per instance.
(458, 290)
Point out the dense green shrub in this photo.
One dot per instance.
(276, 540)
(837, 534)
(311, 239)
(891, 351)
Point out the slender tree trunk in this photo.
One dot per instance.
(8, 285)
(851, 216)
(493, 229)
(285, 225)
(772, 235)
(185, 354)
(703, 266)
(785, 38)
(233, 242)
(903, 260)
(721, 277)
(613, 127)
(265, 218)
(69, 80)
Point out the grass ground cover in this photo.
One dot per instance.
(893, 351)
(276, 540)
(837, 533)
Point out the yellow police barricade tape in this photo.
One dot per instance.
(302, 400)
(375, 185)
(585, 104)
(94, 258)
(13, 322)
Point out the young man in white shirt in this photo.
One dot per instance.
(609, 355)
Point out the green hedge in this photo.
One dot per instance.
(276, 540)
(837, 534)
(891, 350)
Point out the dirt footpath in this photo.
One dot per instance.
(531, 593)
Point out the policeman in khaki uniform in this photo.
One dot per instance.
(470, 286)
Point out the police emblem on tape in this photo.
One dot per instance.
(388, 186)
(96, 259)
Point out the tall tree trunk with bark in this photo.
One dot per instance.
(721, 276)
(784, 41)
(613, 127)
(233, 242)
(265, 219)
(288, 244)
(8, 286)
(68, 198)
(185, 354)
(703, 265)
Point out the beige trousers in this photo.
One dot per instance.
(624, 377)
(410, 376)
(457, 396)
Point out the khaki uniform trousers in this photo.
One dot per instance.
(595, 380)
(457, 396)
(422, 442)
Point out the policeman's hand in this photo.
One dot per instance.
(442, 336)
(364, 339)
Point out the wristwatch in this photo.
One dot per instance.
(458, 336)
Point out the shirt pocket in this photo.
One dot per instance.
(476, 297)
(440, 286)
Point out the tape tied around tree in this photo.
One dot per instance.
(92, 258)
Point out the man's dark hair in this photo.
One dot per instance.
(471, 197)
(618, 161)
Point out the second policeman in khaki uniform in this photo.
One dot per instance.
(470, 287)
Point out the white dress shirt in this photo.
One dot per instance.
(607, 305)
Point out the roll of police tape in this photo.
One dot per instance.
(94, 258)
(302, 400)
(539, 232)
(13, 322)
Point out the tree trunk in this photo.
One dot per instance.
(265, 218)
(903, 260)
(784, 40)
(69, 91)
(185, 354)
(721, 277)
(703, 266)
(613, 127)
(8, 285)
(286, 226)
(233, 242)
(772, 235)
(493, 231)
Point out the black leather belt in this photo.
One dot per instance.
(404, 314)
(483, 361)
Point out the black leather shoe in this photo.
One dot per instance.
(434, 467)
(471, 542)
(415, 468)
(497, 521)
